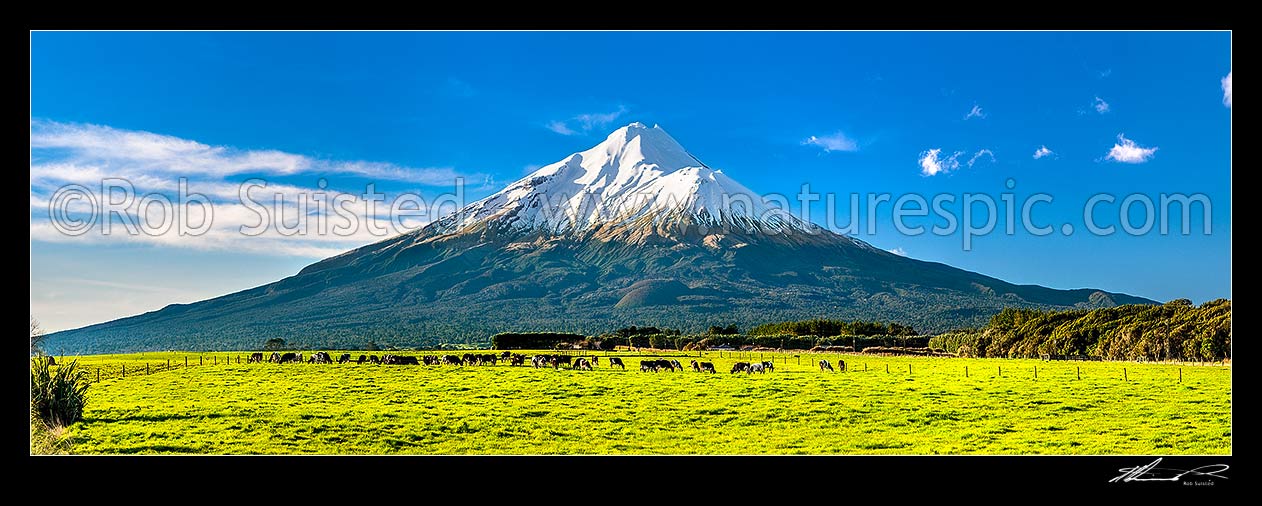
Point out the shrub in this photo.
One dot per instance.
(58, 393)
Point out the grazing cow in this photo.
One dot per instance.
(696, 367)
(374, 359)
(321, 357)
(275, 358)
(346, 357)
(708, 367)
(648, 366)
(756, 367)
(825, 366)
(506, 355)
(299, 359)
(583, 364)
(516, 359)
(768, 365)
(595, 360)
(289, 357)
(616, 361)
(255, 357)
(361, 360)
(673, 365)
(452, 360)
(841, 364)
(399, 360)
(564, 359)
(740, 367)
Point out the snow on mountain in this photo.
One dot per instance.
(637, 171)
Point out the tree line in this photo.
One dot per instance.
(1176, 330)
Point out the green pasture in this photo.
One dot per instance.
(920, 406)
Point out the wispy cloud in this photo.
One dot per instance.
(1104, 74)
(1042, 151)
(976, 112)
(932, 164)
(1100, 105)
(981, 153)
(834, 142)
(139, 152)
(560, 127)
(898, 251)
(1127, 151)
(585, 123)
(161, 165)
(1227, 90)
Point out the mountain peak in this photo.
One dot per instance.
(636, 171)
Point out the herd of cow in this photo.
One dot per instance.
(537, 361)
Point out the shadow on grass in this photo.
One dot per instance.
(150, 418)
(158, 449)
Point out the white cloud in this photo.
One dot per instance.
(585, 123)
(139, 152)
(979, 154)
(559, 127)
(976, 112)
(1127, 151)
(1100, 105)
(1042, 151)
(157, 164)
(1106, 73)
(898, 251)
(1227, 90)
(834, 142)
(931, 164)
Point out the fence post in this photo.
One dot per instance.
(146, 367)
(1180, 375)
(1079, 368)
(887, 368)
(965, 371)
(168, 364)
(186, 361)
(865, 367)
(124, 370)
(199, 360)
(909, 369)
(1000, 371)
(98, 375)
(1124, 378)
(1036, 372)
(216, 359)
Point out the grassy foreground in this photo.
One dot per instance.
(231, 408)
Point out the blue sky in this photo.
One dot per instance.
(412, 111)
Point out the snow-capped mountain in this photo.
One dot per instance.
(634, 231)
(636, 172)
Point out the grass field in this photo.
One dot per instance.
(230, 408)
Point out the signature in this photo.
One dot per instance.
(1151, 472)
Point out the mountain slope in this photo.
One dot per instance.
(633, 231)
